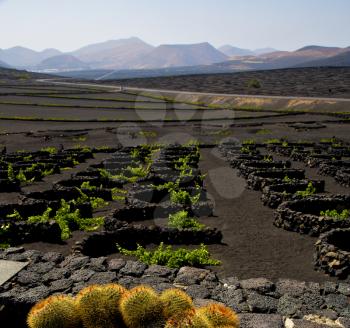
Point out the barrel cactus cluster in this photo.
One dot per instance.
(113, 306)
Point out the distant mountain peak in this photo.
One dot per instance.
(317, 48)
(232, 51)
(176, 55)
(62, 63)
(4, 65)
(134, 53)
(264, 51)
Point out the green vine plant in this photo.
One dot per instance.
(272, 141)
(96, 202)
(178, 195)
(249, 142)
(183, 197)
(144, 153)
(14, 216)
(11, 173)
(136, 173)
(83, 148)
(309, 191)
(166, 255)
(287, 179)
(139, 171)
(4, 242)
(65, 217)
(118, 194)
(182, 165)
(87, 186)
(182, 220)
(21, 177)
(246, 150)
(50, 150)
(268, 159)
(341, 215)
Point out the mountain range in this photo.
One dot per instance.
(232, 51)
(137, 55)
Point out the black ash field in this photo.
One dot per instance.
(105, 153)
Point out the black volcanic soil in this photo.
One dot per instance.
(307, 82)
(252, 244)
(252, 247)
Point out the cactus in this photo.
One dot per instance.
(175, 302)
(142, 307)
(98, 306)
(189, 319)
(219, 315)
(54, 312)
(112, 306)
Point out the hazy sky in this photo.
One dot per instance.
(70, 24)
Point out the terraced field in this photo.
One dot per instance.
(86, 175)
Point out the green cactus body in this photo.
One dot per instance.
(54, 312)
(219, 315)
(188, 319)
(98, 306)
(142, 307)
(175, 302)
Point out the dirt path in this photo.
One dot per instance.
(254, 247)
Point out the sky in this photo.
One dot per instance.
(70, 24)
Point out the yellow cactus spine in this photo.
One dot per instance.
(176, 302)
(142, 307)
(54, 312)
(98, 306)
(188, 319)
(219, 315)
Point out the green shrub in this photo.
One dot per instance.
(4, 242)
(148, 134)
(343, 215)
(135, 153)
(47, 172)
(165, 255)
(50, 150)
(139, 171)
(248, 142)
(264, 131)
(80, 139)
(178, 195)
(96, 202)
(86, 185)
(254, 84)
(182, 165)
(183, 197)
(310, 190)
(15, 215)
(65, 218)
(268, 159)
(11, 173)
(181, 220)
(287, 179)
(246, 150)
(21, 176)
(104, 174)
(168, 186)
(273, 141)
(118, 194)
